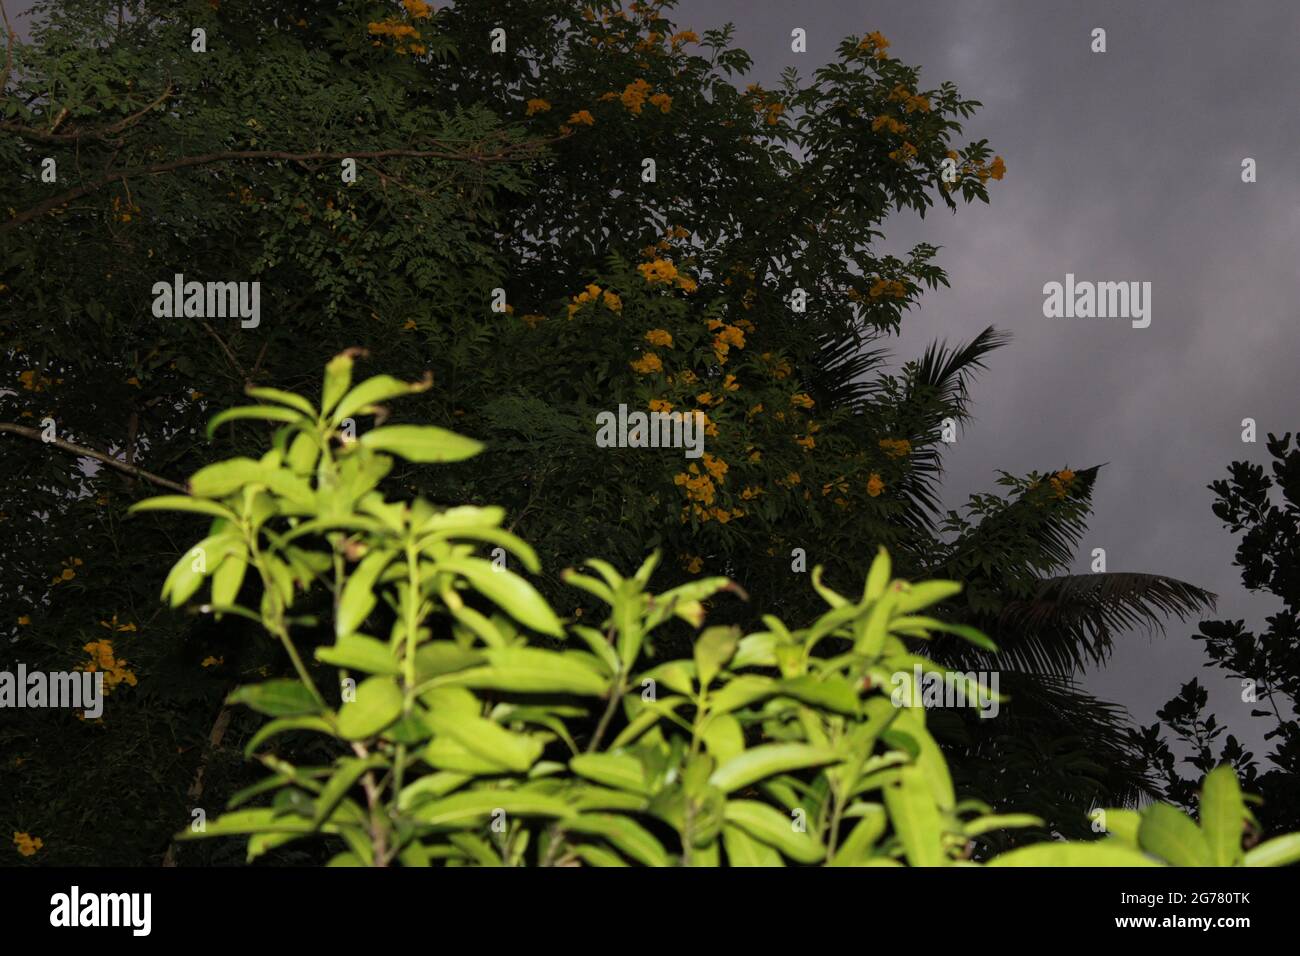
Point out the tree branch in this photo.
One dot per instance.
(504, 154)
(82, 451)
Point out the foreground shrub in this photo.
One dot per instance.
(479, 729)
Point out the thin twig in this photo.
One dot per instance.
(82, 451)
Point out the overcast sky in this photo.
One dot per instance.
(1122, 166)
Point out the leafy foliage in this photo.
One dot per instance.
(460, 737)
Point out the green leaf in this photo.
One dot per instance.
(283, 724)
(361, 653)
(743, 850)
(421, 443)
(767, 760)
(488, 739)
(713, 648)
(857, 847)
(358, 598)
(1279, 851)
(878, 576)
(281, 697)
(284, 398)
(378, 704)
(338, 376)
(508, 591)
(1170, 834)
(925, 593)
(266, 413)
(184, 503)
(621, 771)
(1057, 853)
(1222, 814)
(225, 477)
(916, 818)
(345, 777)
(531, 670)
(378, 388)
(832, 692)
(462, 809)
(625, 835)
(774, 828)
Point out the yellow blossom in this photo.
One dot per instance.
(660, 337)
(998, 168)
(875, 485)
(660, 405)
(24, 620)
(612, 301)
(896, 447)
(663, 101)
(211, 661)
(634, 96)
(582, 118)
(660, 270)
(532, 320)
(801, 400)
(27, 844)
(537, 106)
(647, 364)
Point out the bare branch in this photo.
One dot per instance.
(81, 451)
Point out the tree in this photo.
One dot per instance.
(506, 234)
(1265, 512)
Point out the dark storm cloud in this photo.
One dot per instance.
(1121, 166)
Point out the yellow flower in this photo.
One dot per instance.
(774, 111)
(687, 284)
(661, 270)
(67, 574)
(750, 493)
(685, 36)
(715, 466)
(695, 565)
(888, 123)
(660, 337)
(896, 447)
(133, 381)
(875, 485)
(24, 620)
(663, 101)
(634, 95)
(582, 118)
(417, 9)
(532, 320)
(211, 661)
(660, 405)
(27, 844)
(998, 168)
(808, 443)
(612, 301)
(801, 400)
(874, 43)
(537, 106)
(730, 383)
(647, 364)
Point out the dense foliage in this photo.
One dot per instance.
(460, 736)
(503, 233)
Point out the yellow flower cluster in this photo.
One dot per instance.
(693, 563)
(801, 400)
(69, 571)
(715, 466)
(402, 35)
(417, 9)
(582, 118)
(535, 106)
(904, 153)
(663, 101)
(699, 487)
(891, 287)
(634, 96)
(660, 405)
(532, 319)
(911, 101)
(660, 337)
(27, 844)
(875, 44)
(660, 270)
(896, 447)
(1061, 482)
(647, 364)
(593, 293)
(726, 338)
(102, 658)
(889, 124)
(875, 485)
(685, 36)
